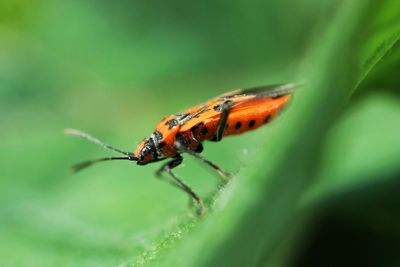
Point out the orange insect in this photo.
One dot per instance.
(229, 114)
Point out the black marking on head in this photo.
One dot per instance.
(276, 97)
(238, 125)
(204, 130)
(251, 123)
(171, 123)
(148, 148)
(267, 119)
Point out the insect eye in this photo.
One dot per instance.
(148, 152)
(145, 151)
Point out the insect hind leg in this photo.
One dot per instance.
(176, 181)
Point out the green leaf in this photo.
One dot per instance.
(369, 155)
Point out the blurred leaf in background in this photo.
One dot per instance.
(318, 187)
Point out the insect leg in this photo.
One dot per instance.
(167, 167)
(225, 108)
(223, 174)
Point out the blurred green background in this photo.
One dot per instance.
(115, 69)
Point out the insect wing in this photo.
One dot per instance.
(243, 99)
(211, 109)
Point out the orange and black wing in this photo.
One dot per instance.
(250, 109)
(246, 103)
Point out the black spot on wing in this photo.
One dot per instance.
(171, 123)
(238, 125)
(252, 123)
(218, 108)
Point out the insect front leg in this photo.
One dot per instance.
(225, 108)
(176, 181)
(223, 174)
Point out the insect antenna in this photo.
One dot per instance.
(82, 165)
(85, 164)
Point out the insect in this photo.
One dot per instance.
(232, 113)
